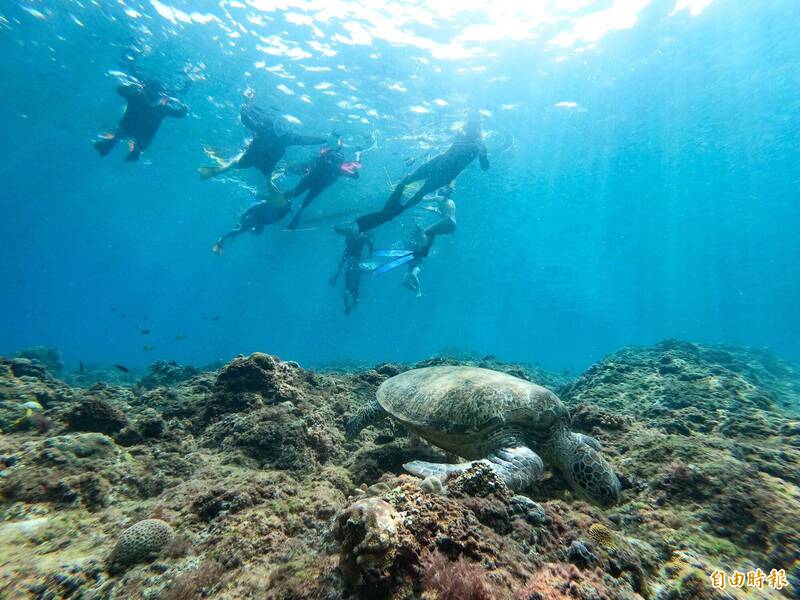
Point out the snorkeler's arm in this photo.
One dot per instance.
(334, 278)
(482, 156)
(174, 108)
(130, 90)
(293, 139)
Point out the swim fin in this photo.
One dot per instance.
(207, 172)
(393, 252)
(393, 264)
(104, 143)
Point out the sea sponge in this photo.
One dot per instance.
(139, 541)
(602, 536)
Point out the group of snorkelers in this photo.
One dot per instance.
(149, 102)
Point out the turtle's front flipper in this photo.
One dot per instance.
(517, 467)
(368, 414)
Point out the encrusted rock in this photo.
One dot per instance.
(531, 511)
(432, 485)
(249, 381)
(479, 480)
(579, 554)
(368, 533)
(166, 373)
(48, 357)
(96, 414)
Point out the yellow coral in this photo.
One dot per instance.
(602, 536)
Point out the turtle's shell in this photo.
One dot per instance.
(469, 401)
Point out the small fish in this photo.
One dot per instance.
(80, 367)
(148, 348)
(410, 161)
(144, 331)
(112, 308)
(122, 368)
(180, 337)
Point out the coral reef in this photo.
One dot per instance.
(238, 482)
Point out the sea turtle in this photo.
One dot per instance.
(486, 416)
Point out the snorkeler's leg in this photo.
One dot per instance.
(335, 277)
(312, 193)
(136, 146)
(105, 142)
(349, 302)
(302, 186)
(134, 151)
(238, 230)
(441, 227)
(429, 186)
(390, 210)
(422, 172)
(207, 172)
(411, 280)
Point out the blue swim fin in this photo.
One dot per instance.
(393, 252)
(393, 264)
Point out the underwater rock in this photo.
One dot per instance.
(139, 542)
(479, 480)
(23, 380)
(251, 381)
(579, 554)
(148, 425)
(63, 470)
(94, 413)
(432, 485)
(683, 385)
(563, 581)
(529, 510)
(165, 373)
(78, 579)
(48, 357)
(368, 535)
(274, 436)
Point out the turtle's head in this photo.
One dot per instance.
(587, 472)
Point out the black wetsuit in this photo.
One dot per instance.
(437, 172)
(255, 218)
(266, 149)
(325, 171)
(141, 120)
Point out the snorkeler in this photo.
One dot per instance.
(271, 138)
(325, 170)
(270, 210)
(354, 244)
(436, 173)
(147, 105)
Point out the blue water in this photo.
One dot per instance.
(644, 180)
